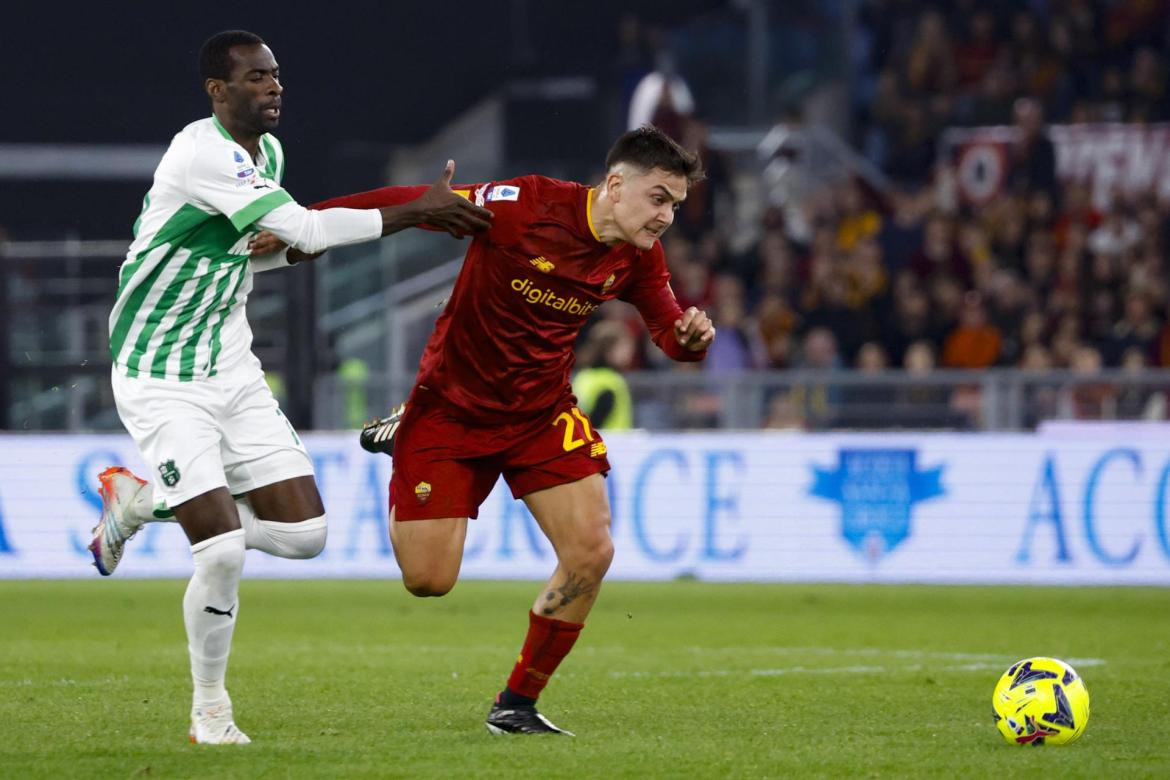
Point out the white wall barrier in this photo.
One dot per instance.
(1071, 506)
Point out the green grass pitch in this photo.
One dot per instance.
(684, 679)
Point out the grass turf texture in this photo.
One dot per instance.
(685, 679)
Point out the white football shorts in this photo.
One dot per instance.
(223, 431)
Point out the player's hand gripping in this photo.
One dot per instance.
(441, 208)
(265, 243)
(694, 330)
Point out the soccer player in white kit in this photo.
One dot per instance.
(188, 388)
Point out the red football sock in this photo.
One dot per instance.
(547, 643)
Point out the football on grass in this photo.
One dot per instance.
(1040, 701)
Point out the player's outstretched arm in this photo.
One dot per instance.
(438, 207)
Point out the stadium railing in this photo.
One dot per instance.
(55, 298)
(994, 400)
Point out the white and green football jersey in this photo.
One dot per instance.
(179, 313)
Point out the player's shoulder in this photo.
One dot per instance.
(531, 189)
(209, 154)
(206, 141)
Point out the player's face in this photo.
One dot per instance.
(647, 205)
(253, 91)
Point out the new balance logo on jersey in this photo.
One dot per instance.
(549, 298)
(608, 283)
(225, 612)
(542, 264)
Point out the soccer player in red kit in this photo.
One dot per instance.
(493, 397)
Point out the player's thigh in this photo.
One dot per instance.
(575, 516)
(287, 501)
(207, 515)
(177, 431)
(556, 467)
(436, 541)
(262, 454)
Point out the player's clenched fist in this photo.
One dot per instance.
(694, 330)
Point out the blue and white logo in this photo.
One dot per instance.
(504, 192)
(877, 490)
(239, 158)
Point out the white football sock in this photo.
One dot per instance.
(305, 539)
(210, 608)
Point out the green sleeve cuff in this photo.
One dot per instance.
(258, 208)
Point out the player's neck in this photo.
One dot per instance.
(241, 135)
(601, 219)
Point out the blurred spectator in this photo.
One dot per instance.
(1117, 233)
(1009, 303)
(1138, 401)
(1147, 87)
(1033, 164)
(1137, 330)
(777, 323)
(940, 253)
(818, 400)
(784, 414)
(869, 404)
(923, 400)
(910, 321)
(975, 343)
(738, 347)
(1087, 400)
(662, 98)
(690, 278)
(630, 62)
(696, 216)
(871, 358)
(930, 65)
(1041, 401)
(601, 390)
(979, 49)
(858, 220)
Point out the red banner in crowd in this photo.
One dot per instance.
(1110, 158)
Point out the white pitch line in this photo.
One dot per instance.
(831, 670)
(874, 652)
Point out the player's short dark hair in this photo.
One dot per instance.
(649, 148)
(215, 61)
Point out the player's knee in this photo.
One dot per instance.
(428, 585)
(308, 545)
(311, 541)
(221, 557)
(601, 556)
(304, 539)
(590, 554)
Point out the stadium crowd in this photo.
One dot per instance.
(1039, 278)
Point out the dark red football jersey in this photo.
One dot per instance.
(503, 345)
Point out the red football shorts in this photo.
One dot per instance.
(445, 466)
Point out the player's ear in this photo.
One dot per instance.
(214, 89)
(613, 185)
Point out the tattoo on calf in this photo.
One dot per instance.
(573, 587)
